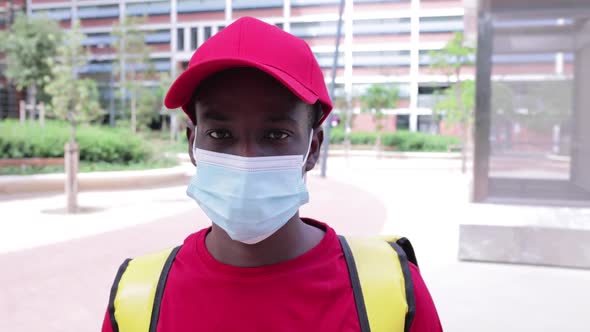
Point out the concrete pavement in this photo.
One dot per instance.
(61, 282)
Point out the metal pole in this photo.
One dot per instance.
(332, 88)
(112, 100)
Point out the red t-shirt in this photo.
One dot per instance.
(309, 293)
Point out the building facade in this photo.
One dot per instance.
(382, 41)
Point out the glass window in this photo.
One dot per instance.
(160, 36)
(59, 14)
(315, 29)
(536, 123)
(382, 58)
(441, 24)
(148, 8)
(192, 6)
(247, 4)
(98, 11)
(207, 33)
(98, 39)
(180, 39)
(193, 38)
(382, 26)
(402, 122)
(326, 60)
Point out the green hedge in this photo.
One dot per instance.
(399, 140)
(97, 143)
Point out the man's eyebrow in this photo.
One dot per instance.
(281, 118)
(215, 116)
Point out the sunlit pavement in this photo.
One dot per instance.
(57, 269)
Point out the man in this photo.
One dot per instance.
(256, 97)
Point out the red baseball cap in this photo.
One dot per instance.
(249, 42)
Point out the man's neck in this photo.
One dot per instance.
(291, 241)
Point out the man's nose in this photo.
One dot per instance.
(248, 148)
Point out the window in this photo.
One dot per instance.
(207, 33)
(161, 64)
(98, 39)
(381, 26)
(249, 4)
(402, 122)
(279, 25)
(315, 29)
(193, 39)
(159, 36)
(326, 60)
(441, 24)
(180, 39)
(96, 67)
(383, 58)
(98, 11)
(148, 8)
(192, 6)
(59, 14)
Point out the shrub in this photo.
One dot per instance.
(363, 138)
(337, 135)
(414, 141)
(97, 143)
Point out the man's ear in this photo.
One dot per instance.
(314, 151)
(190, 136)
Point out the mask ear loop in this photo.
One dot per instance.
(306, 156)
(195, 144)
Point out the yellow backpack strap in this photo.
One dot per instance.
(136, 294)
(381, 282)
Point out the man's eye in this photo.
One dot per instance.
(277, 135)
(220, 134)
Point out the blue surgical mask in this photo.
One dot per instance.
(249, 197)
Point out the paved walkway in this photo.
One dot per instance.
(61, 282)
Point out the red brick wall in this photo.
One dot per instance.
(265, 12)
(382, 7)
(204, 16)
(298, 11)
(364, 122)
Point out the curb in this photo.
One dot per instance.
(395, 154)
(116, 180)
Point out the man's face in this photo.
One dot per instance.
(245, 112)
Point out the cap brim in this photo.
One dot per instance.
(182, 89)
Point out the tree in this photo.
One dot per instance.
(28, 45)
(132, 64)
(377, 98)
(72, 99)
(452, 59)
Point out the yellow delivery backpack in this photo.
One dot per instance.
(378, 269)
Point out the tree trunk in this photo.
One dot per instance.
(71, 185)
(32, 101)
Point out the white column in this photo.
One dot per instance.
(174, 34)
(187, 40)
(414, 62)
(74, 11)
(200, 35)
(559, 56)
(214, 30)
(29, 9)
(228, 11)
(287, 15)
(348, 35)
